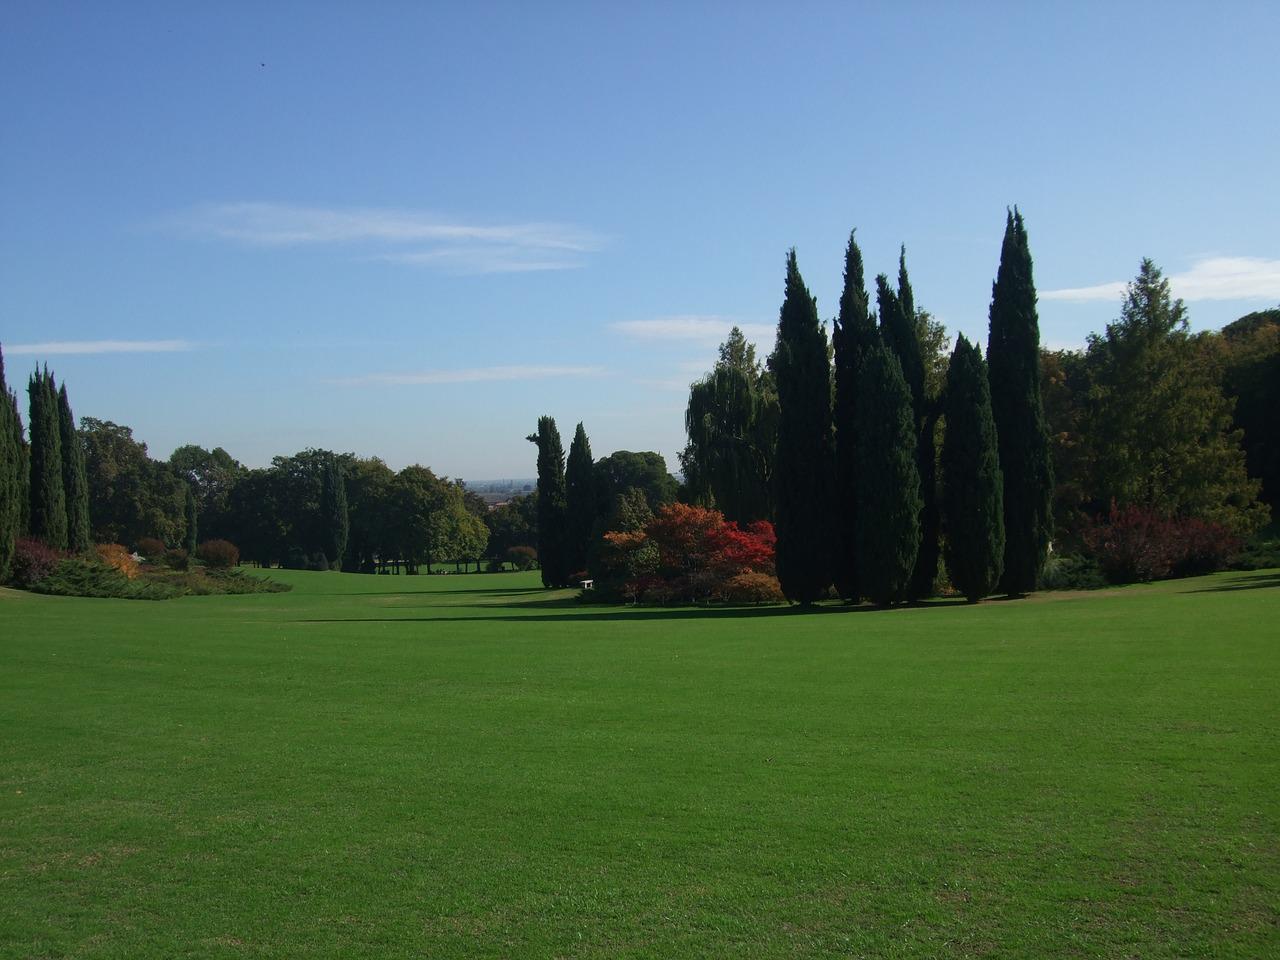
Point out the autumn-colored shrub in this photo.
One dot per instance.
(218, 554)
(33, 560)
(1138, 544)
(753, 587)
(117, 558)
(151, 548)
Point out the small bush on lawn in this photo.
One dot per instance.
(1260, 554)
(218, 554)
(1071, 572)
(1202, 547)
(33, 560)
(495, 566)
(176, 559)
(522, 558)
(753, 587)
(151, 549)
(117, 558)
(1138, 544)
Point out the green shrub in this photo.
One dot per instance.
(1071, 572)
(83, 577)
(176, 559)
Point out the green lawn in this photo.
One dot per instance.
(467, 766)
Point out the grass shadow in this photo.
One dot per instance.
(1256, 581)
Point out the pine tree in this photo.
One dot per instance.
(972, 486)
(1013, 364)
(580, 501)
(853, 332)
(75, 483)
(335, 524)
(11, 461)
(804, 464)
(888, 491)
(48, 516)
(552, 507)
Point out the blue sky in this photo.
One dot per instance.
(408, 229)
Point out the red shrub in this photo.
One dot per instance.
(1203, 547)
(522, 558)
(33, 560)
(151, 548)
(219, 554)
(1138, 544)
(753, 588)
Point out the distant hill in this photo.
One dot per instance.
(1250, 323)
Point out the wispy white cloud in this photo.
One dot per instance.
(400, 236)
(470, 375)
(694, 328)
(67, 347)
(1213, 278)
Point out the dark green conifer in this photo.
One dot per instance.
(190, 520)
(335, 524)
(1013, 364)
(11, 463)
(48, 517)
(552, 508)
(804, 466)
(972, 485)
(852, 333)
(580, 501)
(75, 483)
(888, 491)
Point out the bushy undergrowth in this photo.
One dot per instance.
(1135, 544)
(1071, 572)
(83, 577)
(95, 576)
(32, 562)
(1260, 554)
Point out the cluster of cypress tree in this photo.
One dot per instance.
(335, 523)
(880, 467)
(552, 504)
(58, 490)
(12, 474)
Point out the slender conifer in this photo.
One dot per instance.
(972, 486)
(75, 484)
(48, 515)
(11, 462)
(1013, 361)
(552, 509)
(804, 465)
(580, 501)
(853, 332)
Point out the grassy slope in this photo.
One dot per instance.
(467, 770)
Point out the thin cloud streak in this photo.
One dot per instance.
(398, 235)
(693, 328)
(88, 347)
(1214, 278)
(472, 375)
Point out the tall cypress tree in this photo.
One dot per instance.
(1013, 362)
(972, 485)
(853, 332)
(11, 490)
(75, 484)
(902, 334)
(580, 501)
(335, 523)
(888, 492)
(191, 532)
(803, 466)
(48, 516)
(552, 508)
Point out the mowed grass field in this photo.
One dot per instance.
(469, 766)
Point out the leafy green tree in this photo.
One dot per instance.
(551, 504)
(1158, 422)
(191, 537)
(131, 496)
(255, 514)
(513, 524)
(888, 490)
(804, 464)
(1013, 365)
(213, 473)
(852, 334)
(75, 483)
(12, 493)
(334, 520)
(732, 425)
(1251, 347)
(48, 516)
(369, 512)
(972, 487)
(623, 469)
(580, 501)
